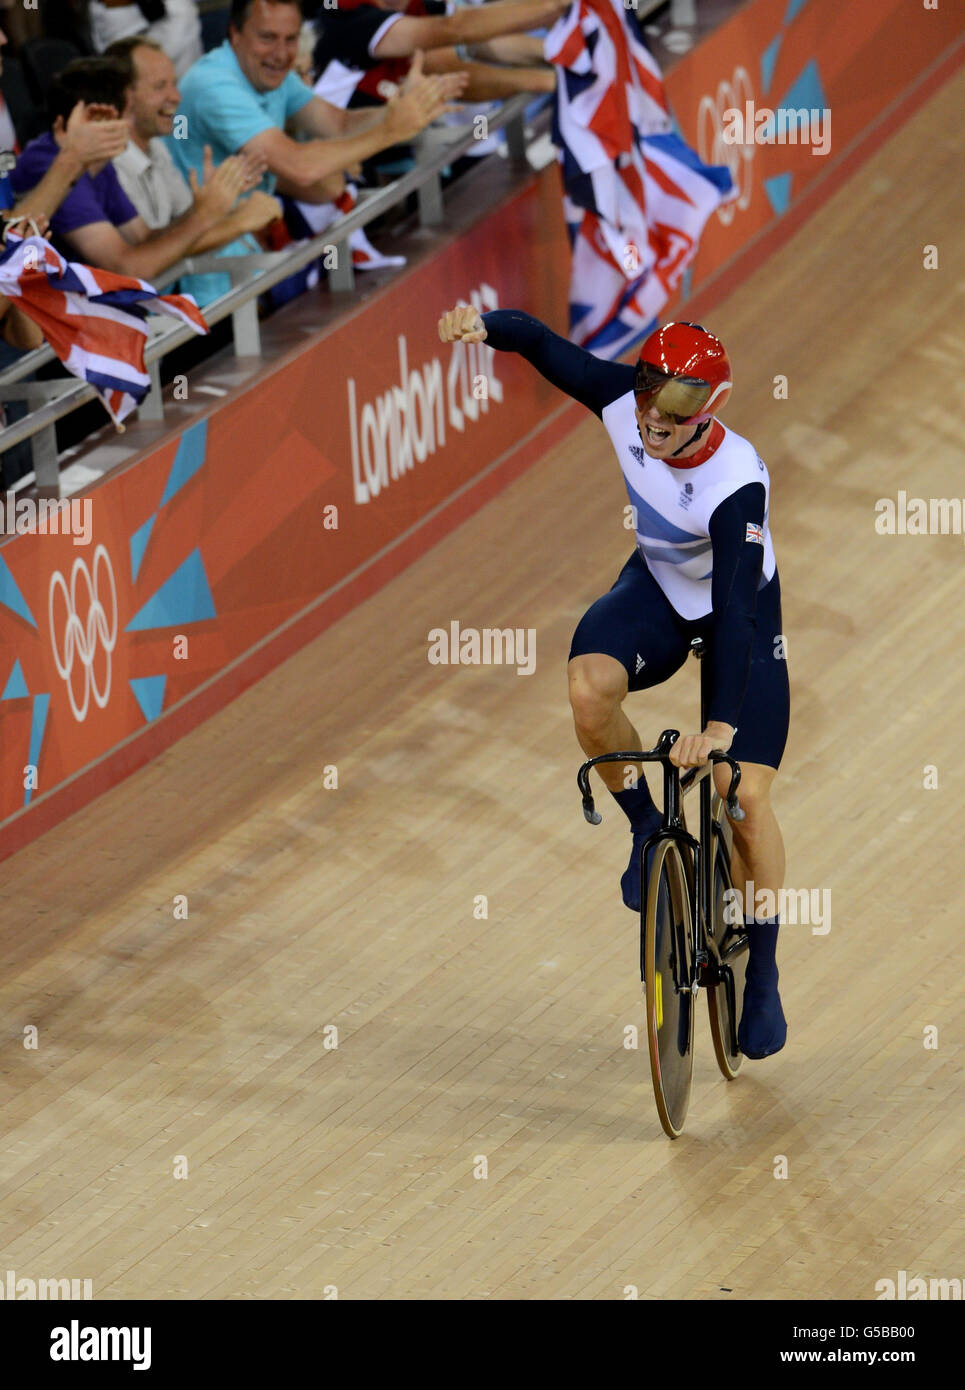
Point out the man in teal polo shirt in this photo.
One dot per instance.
(242, 95)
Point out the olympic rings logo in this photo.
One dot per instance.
(81, 639)
(712, 147)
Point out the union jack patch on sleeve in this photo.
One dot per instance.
(754, 533)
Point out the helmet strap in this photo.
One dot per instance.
(704, 425)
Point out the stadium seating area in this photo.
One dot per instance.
(290, 111)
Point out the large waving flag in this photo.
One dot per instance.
(636, 198)
(95, 321)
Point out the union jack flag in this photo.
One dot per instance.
(95, 321)
(636, 198)
(754, 533)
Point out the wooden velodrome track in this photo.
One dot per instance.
(312, 1167)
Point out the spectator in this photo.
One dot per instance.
(17, 330)
(241, 96)
(97, 223)
(174, 24)
(145, 169)
(88, 139)
(18, 334)
(21, 22)
(8, 136)
(380, 37)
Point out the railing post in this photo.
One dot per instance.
(43, 447)
(341, 276)
(516, 138)
(430, 202)
(683, 13)
(152, 406)
(247, 333)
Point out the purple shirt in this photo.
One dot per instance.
(97, 198)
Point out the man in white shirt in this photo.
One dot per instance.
(146, 170)
(174, 24)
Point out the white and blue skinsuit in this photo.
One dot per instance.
(704, 563)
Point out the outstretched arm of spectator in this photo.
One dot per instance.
(489, 81)
(519, 50)
(475, 24)
(16, 328)
(89, 138)
(301, 164)
(320, 120)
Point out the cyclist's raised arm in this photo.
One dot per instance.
(738, 563)
(588, 379)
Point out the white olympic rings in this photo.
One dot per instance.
(81, 639)
(712, 147)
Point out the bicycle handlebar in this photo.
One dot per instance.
(660, 753)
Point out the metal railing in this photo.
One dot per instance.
(251, 275)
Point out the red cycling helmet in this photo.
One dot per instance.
(684, 371)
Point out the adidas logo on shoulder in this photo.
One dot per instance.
(640, 664)
(637, 452)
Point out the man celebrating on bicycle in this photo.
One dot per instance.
(703, 566)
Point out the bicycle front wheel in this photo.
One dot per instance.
(667, 959)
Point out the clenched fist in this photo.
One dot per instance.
(462, 324)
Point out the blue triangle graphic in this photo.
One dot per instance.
(10, 595)
(149, 693)
(769, 61)
(806, 90)
(185, 597)
(794, 8)
(38, 723)
(16, 687)
(778, 190)
(139, 542)
(188, 459)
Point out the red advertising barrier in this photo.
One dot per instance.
(136, 611)
(848, 65)
(130, 613)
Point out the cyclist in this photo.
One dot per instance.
(703, 565)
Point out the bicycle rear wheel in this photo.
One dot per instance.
(725, 997)
(667, 960)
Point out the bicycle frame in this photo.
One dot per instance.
(707, 955)
(700, 883)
